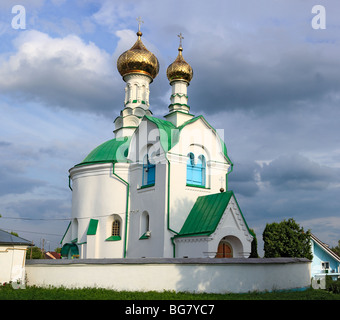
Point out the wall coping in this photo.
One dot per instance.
(179, 261)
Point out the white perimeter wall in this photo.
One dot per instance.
(190, 275)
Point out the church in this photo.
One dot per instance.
(159, 188)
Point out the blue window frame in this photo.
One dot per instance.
(149, 171)
(196, 171)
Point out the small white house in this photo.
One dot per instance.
(160, 187)
(12, 257)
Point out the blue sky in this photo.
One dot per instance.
(261, 73)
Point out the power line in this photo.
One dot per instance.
(65, 219)
(35, 219)
(34, 232)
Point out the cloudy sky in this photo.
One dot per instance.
(263, 73)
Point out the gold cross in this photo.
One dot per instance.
(140, 21)
(180, 36)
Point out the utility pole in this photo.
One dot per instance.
(42, 249)
(31, 250)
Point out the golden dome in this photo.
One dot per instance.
(138, 59)
(179, 69)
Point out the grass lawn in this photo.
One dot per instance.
(35, 293)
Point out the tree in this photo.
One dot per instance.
(36, 253)
(253, 253)
(336, 249)
(286, 239)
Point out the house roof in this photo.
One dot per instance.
(52, 255)
(206, 214)
(325, 247)
(9, 239)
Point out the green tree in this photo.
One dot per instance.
(36, 253)
(253, 253)
(336, 249)
(286, 239)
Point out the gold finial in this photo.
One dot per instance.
(180, 36)
(140, 21)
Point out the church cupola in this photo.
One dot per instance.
(179, 74)
(138, 67)
(179, 70)
(138, 60)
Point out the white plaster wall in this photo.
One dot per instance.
(98, 194)
(193, 247)
(12, 263)
(198, 138)
(152, 200)
(239, 276)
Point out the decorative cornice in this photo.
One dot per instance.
(179, 95)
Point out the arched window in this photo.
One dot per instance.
(145, 226)
(135, 93)
(74, 230)
(196, 171)
(116, 228)
(143, 94)
(149, 171)
(129, 94)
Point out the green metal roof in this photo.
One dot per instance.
(169, 133)
(114, 150)
(206, 214)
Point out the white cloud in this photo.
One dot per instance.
(64, 72)
(113, 15)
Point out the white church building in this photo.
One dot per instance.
(159, 187)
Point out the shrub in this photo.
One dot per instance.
(331, 285)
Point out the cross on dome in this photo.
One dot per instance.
(180, 36)
(140, 21)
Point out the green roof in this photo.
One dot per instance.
(206, 214)
(169, 133)
(114, 150)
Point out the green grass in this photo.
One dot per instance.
(35, 293)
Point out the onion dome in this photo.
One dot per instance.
(138, 59)
(179, 69)
(114, 150)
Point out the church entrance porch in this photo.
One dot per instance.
(229, 247)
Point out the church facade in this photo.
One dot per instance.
(159, 187)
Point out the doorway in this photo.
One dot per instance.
(224, 250)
